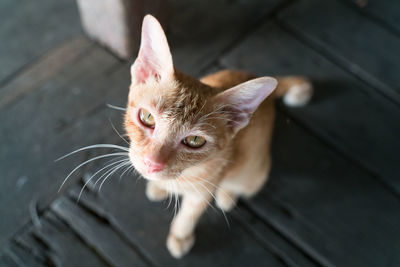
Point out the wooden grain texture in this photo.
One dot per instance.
(384, 12)
(274, 241)
(30, 28)
(21, 257)
(351, 117)
(326, 205)
(199, 31)
(6, 260)
(64, 245)
(359, 45)
(67, 111)
(146, 225)
(96, 234)
(43, 69)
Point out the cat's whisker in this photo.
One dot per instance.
(115, 170)
(223, 212)
(88, 161)
(216, 187)
(125, 171)
(176, 197)
(93, 146)
(115, 129)
(201, 195)
(94, 175)
(116, 107)
(104, 174)
(169, 193)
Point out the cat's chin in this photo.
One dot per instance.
(158, 176)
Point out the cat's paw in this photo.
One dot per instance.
(226, 200)
(155, 193)
(178, 247)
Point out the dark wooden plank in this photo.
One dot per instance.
(385, 12)
(22, 257)
(7, 260)
(64, 244)
(194, 48)
(46, 67)
(28, 29)
(270, 238)
(55, 119)
(125, 206)
(355, 42)
(355, 120)
(97, 234)
(338, 213)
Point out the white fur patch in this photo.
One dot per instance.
(298, 95)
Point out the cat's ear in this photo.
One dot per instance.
(240, 102)
(154, 59)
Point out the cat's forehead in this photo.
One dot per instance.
(183, 100)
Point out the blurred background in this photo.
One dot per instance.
(333, 195)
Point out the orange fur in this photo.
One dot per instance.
(234, 162)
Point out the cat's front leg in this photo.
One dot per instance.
(181, 236)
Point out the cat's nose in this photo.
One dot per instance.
(153, 165)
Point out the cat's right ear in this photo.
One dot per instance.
(154, 60)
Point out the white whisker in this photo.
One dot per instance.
(116, 107)
(93, 146)
(115, 129)
(87, 161)
(91, 177)
(115, 169)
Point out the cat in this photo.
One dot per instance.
(200, 139)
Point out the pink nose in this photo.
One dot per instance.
(153, 165)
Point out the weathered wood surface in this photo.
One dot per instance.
(332, 198)
(358, 44)
(96, 234)
(64, 245)
(348, 115)
(43, 69)
(326, 205)
(198, 38)
(30, 28)
(146, 225)
(385, 12)
(70, 107)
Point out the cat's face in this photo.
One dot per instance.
(175, 122)
(171, 127)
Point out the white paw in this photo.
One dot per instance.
(298, 95)
(155, 193)
(225, 200)
(178, 247)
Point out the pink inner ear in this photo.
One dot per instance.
(141, 74)
(143, 71)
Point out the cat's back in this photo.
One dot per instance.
(226, 79)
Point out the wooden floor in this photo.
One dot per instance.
(333, 194)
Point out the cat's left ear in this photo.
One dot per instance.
(154, 59)
(240, 102)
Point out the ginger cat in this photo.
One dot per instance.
(200, 139)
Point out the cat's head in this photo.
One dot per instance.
(175, 122)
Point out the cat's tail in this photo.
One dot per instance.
(295, 90)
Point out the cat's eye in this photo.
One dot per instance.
(146, 118)
(194, 141)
